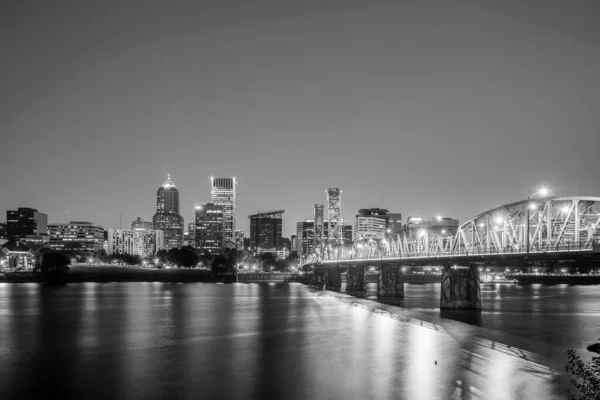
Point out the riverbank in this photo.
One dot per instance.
(124, 274)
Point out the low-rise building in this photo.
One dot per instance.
(79, 235)
(142, 243)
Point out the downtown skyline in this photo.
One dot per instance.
(416, 108)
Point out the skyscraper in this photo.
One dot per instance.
(265, 231)
(167, 217)
(210, 228)
(222, 191)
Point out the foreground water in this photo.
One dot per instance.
(166, 340)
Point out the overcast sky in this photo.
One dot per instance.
(423, 108)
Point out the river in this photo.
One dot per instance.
(285, 341)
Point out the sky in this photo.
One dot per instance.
(420, 107)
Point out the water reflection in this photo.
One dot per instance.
(163, 340)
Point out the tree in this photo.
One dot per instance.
(268, 261)
(161, 255)
(54, 263)
(188, 257)
(586, 375)
(220, 265)
(281, 265)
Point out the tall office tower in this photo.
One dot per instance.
(25, 222)
(319, 236)
(222, 191)
(334, 217)
(140, 225)
(305, 240)
(265, 231)
(347, 233)
(167, 217)
(210, 229)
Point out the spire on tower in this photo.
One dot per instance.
(168, 183)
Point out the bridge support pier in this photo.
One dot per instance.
(355, 279)
(460, 288)
(391, 281)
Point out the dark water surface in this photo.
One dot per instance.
(208, 341)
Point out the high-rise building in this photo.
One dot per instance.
(140, 225)
(265, 231)
(167, 217)
(305, 231)
(142, 243)
(79, 235)
(25, 222)
(347, 234)
(293, 243)
(373, 223)
(210, 229)
(222, 192)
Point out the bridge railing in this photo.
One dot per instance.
(545, 248)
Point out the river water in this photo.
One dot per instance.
(286, 341)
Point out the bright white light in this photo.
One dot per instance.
(443, 231)
(532, 206)
(565, 209)
(422, 232)
(481, 225)
(389, 230)
(498, 220)
(439, 218)
(544, 191)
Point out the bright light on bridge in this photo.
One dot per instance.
(499, 220)
(565, 209)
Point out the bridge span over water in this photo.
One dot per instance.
(558, 231)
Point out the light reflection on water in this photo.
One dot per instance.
(163, 340)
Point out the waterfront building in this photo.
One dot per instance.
(76, 235)
(370, 223)
(210, 229)
(167, 217)
(223, 194)
(266, 230)
(140, 225)
(18, 256)
(24, 222)
(142, 243)
(189, 237)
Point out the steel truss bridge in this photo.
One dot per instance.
(552, 229)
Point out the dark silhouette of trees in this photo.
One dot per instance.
(126, 259)
(585, 375)
(162, 256)
(267, 261)
(188, 257)
(54, 263)
(222, 265)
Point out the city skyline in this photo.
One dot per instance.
(418, 108)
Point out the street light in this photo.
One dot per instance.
(543, 192)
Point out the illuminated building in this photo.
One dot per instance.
(375, 223)
(222, 192)
(305, 231)
(141, 225)
(210, 229)
(347, 233)
(24, 222)
(189, 237)
(142, 243)
(265, 231)
(76, 235)
(167, 217)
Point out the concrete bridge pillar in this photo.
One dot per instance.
(344, 281)
(356, 279)
(334, 278)
(460, 288)
(391, 281)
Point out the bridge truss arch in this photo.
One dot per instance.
(542, 225)
(548, 224)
